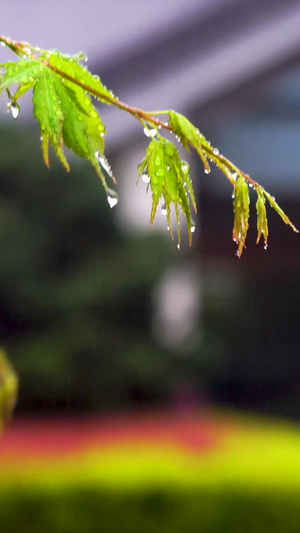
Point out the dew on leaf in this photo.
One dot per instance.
(216, 151)
(234, 175)
(145, 178)
(207, 170)
(233, 195)
(185, 167)
(193, 226)
(112, 197)
(27, 50)
(164, 210)
(2, 43)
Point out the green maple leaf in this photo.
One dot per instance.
(64, 110)
(170, 181)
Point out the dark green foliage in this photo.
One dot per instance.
(75, 323)
(160, 510)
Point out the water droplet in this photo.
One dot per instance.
(14, 109)
(168, 228)
(234, 175)
(105, 164)
(265, 246)
(233, 195)
(207, 170)
(193, 226)
(216, 151)
(239, 235)
(2, 43)
(41, 137)
(185, 167)
(27, 50)
(150, 132)
(112, 197)
(164, 210)
(251, 185)
(145, 178)
(178, 246)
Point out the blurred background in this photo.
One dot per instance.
(99, 312)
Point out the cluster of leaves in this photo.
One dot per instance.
(62, 89)
(64, 110)
(8, 389)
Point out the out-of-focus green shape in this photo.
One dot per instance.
(8, 389)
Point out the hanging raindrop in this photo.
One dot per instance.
(150, 132)
(178, 246)
(14, 108)
(193, 226)
(207, 170)
(216, 151)
(112, 197)
(145, 178)
(164, 210)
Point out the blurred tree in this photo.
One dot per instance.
(74, 292)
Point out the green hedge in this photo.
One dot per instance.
(188, 510)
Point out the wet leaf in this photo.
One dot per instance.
(241, 213)
(262, 222)
(278, 210)
(170, 182)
